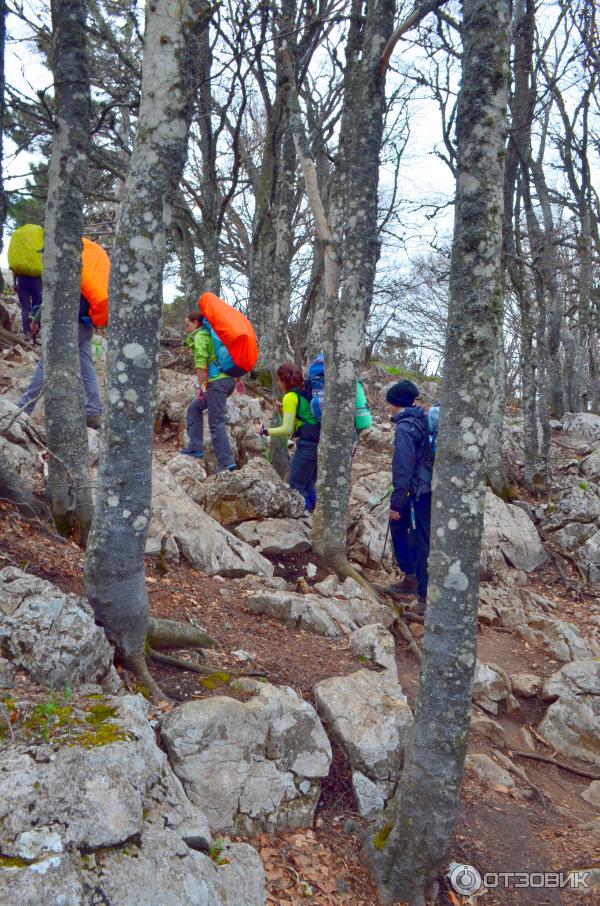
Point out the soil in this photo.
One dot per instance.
(498, 830)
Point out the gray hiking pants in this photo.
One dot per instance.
(214, 400)
(93, 403)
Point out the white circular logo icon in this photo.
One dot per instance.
(465, 879)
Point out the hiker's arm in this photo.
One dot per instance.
(290, 407)
(403, 466)
(202, 353)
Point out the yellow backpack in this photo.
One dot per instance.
(25, 250)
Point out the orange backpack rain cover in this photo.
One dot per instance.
(232, 328)
(95, 270)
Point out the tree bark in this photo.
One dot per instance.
(355, 215)
(68, 479)
(496, 474)
(114, 567)
(429, 792)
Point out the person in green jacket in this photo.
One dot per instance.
(214, 389)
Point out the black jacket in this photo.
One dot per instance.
(412, 464)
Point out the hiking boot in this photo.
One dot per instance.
(197, 454)
(407, 588)
(419, 606)
(94, 421)
(230, 468)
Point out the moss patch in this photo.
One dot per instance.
(218, 678)
(380, 838)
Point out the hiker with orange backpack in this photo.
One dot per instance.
(225, 348)
(93, 312)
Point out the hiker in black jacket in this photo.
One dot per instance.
(410, 503)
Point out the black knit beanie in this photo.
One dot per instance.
(404, 393)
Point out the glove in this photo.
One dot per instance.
(263, 431)
(200, 394)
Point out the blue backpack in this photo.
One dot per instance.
(433, 421)
(315, 390)
(223, 355)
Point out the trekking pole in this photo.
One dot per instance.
(387, 532)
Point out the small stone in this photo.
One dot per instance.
(488, 772)
(7, 674)
(311, 570)
(242, 655)
(512, 704)
(592, 794)
(525, 684)
(417, 630)
(490, 729)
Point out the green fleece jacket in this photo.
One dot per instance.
(205, 358)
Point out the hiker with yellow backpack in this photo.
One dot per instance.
(225, 348)
(93, 312)
(25, 251)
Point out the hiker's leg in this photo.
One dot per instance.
(402, 541)
(24, 296)
(303, 468)
(36, 385)
(89, 378)
(36, 293)
(422, 531)
(217, 395)
(194, 423)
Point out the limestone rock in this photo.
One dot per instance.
(572, 722)
(504, 601)
(202, 541)
(591, 794)
(488, 772)
(490, 729)
(557, 638)
(50, 881)
(254, 492)
(89, 797)
(276, 536)
(250, 766)
(376, 644)
(525, 685)
(583, 424)
(490, 686)
(28, 466)
(576, 505)
(371, 797)
(590, 467)
(509, 537)
(50, 634)
(20, 430)
(369, 716)
(7, 674)
(190, 474)
(330, 617)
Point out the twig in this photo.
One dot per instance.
(535, 756)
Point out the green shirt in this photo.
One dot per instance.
(205, 358)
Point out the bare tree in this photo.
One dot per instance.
(68, 479)
(114, 567)
(429, 791)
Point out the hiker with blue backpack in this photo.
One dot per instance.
(410, 503)
(214, 387)
(302, 407)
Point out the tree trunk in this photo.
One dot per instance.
(68, 479)
(209, 185)
(429, 792)
(355, 210)
(496, 475)
(114, 568)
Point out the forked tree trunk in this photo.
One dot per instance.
(429, 792)
(114, 568)
(68, 479)
(360, 146)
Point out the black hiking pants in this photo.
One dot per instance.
(411, 545)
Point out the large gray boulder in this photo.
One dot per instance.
(369, 717)
(190, 474)
(556, 638)
(250, 766)
(202, 541)
(276, 536)
(572, 722)
(590, 466)
(374, 643)
(50, 634)
(254, 492)
(490, 686)
(331, 617)
(17, 429)
(23, 462)
(583, 424)
(509, 538)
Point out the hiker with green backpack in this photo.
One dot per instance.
(302, 406)
(25, 251)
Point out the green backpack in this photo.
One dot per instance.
(25, 250)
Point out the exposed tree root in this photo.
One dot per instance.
(173, 634)
(535, 756)
(136, 664)
(160, 658)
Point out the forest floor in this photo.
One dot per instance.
(497, 831)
